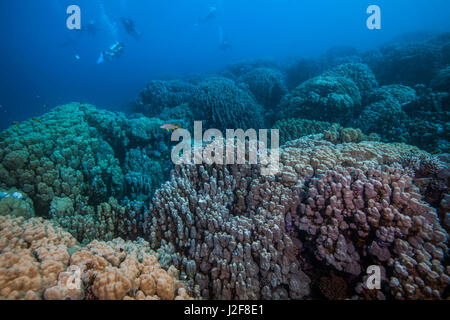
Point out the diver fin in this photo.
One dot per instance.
(101, 59)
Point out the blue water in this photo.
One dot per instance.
(37, 73)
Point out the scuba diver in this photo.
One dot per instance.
(210, 16)
(130, 27)
(225, 43)
(114, 52)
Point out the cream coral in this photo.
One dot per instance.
(38, 260)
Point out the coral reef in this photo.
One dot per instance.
(359, 73)
(105, 221)
(416, 115)
(432, 176)
(408, 64)
(181, 115)
(404, 114)
(58, 155)
(336, 95)
(384, 112)
(339, 55)
(223, 105)
(322, 98)
(71, 164)
(337, 134)
(376, 214)
(292, 129)
(215, 222)
(38, 260)
(267, 85)
(228, 233)
(160, 94)
(441, 82)
(16, 204)
(300, 70)
(237, 69)
(92, 207)
(333, 287)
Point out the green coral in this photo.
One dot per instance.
(144, 172)
(57, 155)
(62, 207)
(442, 80)
(180, 115)
(324, 98)
(237, 69)
(267, 85)
(16, 159)
(402, 94)
(359, 73)
(337, 95)
(408, 64)
(160, 94)
(107, 221)
(223, 105)
(292, 129)
(15, 203)
(71, 163)
(143, 168)
(384, 114)
(402, 114)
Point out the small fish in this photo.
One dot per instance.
(35, 119)
(170, 126)
(15, 123)
(77, 57)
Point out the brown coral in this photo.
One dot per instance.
(333, 287)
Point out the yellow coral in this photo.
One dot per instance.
(39, 260)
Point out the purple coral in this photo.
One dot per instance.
(376, 213)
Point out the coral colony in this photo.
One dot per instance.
(230, 151)
(96, 204)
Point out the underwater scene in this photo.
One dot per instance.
(224, 150)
